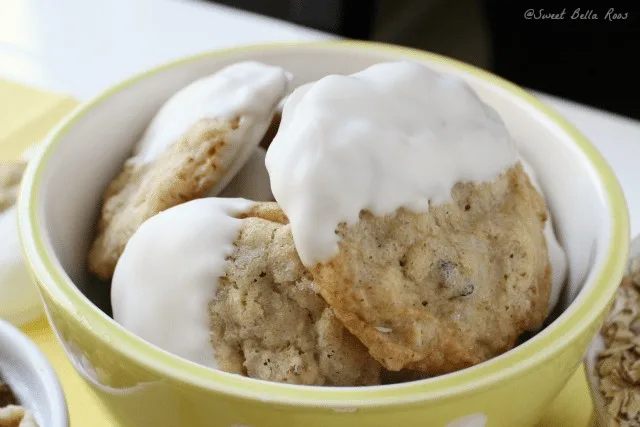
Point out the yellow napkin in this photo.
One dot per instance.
(26, 115)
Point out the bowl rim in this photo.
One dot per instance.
(577, 320)
(52, 392)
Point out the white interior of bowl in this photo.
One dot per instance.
(31, 378)
(91, 153)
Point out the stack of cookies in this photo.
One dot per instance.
(406, 238)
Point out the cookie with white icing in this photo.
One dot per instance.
(194, 146)
(228, 291)
(446, 289)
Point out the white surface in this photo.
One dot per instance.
(80, 47)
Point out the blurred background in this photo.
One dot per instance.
(591, 60)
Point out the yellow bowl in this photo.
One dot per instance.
(145, 386)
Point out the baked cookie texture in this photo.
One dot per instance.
(187, 170)
(10, 178)
(267, 320)
(439, 291)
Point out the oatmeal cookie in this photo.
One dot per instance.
(267, 320)
(439, 291)
(194, 146)
(186, 171)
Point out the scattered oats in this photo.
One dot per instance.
(635, 326)
(607, 366)
(384, 330)
(618, 365)
(633, 405)
(635, 266)
(617, 349)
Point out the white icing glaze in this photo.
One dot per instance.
(393, 135)
(557, 256)
(252, 181)
(248, 89)
(168, 273)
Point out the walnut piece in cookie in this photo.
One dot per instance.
(10, 178)
(442, 290)
(618, 365)
(194, 145)
(267, 320)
